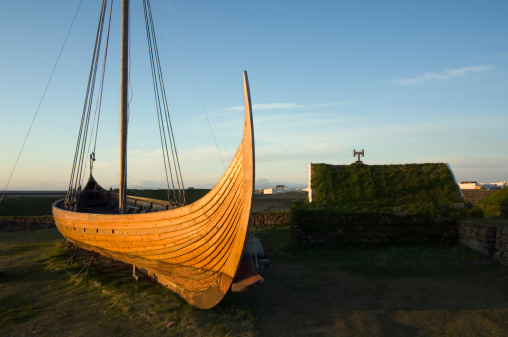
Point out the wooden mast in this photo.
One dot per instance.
(124, 82)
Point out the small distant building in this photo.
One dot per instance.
(299, 189)
(494, 186)
(501, 184)
(276, 190)
(469, 185)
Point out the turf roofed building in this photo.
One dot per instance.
(369, 205)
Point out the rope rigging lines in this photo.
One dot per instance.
(174, 180)
(88, 129)
(79, 163)
(42, 99)
(195, 84)
(170, 155)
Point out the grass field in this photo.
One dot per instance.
(41, 206)
(276, 202)
(27, 206)
(495, 204)
(386, 292)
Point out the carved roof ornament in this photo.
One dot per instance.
(357, 155)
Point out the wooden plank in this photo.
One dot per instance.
(195, 249)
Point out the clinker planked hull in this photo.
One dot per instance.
(194, 250)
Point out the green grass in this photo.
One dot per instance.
(495, 198)
(41, 205)
(384, 292)
(401, 189)
(27, 206)
(41, 295)
(490, 221)
(402, 291)
(495, 204)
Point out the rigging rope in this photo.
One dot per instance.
(40, 102)
(79, 164)
(170, 154)
(99, 98)
(166, 133)
(195, 83)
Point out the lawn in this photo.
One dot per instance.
(385, 292)
(27, 206)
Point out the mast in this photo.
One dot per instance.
(124, 81)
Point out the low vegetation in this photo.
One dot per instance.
(427, 189)
(383, 292)
(27, 206)
(495, 204)
(276, 203)
(43, 295)
(41, 205)
(386, 291)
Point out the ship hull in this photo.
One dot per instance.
(195, 250)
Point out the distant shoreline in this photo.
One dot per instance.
(31, 193)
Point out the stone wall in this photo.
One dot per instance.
(492, 241)
(476, 195)
(271, 218)
(332, 229)
(26, 223)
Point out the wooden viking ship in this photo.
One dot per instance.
(195, 250)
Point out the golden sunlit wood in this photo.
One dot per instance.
(194, 250)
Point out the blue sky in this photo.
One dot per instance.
(408, 81)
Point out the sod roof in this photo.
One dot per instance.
(404, 189)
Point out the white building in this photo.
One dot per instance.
(275, 190)
(494, 186)
(469, 185)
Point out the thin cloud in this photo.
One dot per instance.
(281, 106)
(444, 75)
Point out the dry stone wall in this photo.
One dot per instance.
(476, 195)
(328, 228)
(29, 223)
(280, 219)
(491, 241)
(20, 223)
